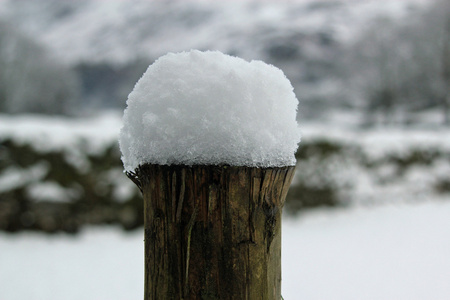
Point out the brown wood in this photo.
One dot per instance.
(212, 232)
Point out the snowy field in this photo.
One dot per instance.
(390, 252)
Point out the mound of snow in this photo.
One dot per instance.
(208, 108)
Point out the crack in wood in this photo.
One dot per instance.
(188, 249)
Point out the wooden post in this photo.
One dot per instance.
(212, 232)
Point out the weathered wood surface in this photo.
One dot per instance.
(213, 232)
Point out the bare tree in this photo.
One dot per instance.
(31, 80)
(402, 67)
(446, 67)
(372, 68)
(431, 53)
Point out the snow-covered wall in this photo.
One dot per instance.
(57, 166)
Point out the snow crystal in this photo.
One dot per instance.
(208, 108)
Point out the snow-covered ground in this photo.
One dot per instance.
(390, 252)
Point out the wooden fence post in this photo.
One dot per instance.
(212, 232)
(210, 140)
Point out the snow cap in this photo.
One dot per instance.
(209, 108)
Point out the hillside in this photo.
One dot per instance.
(119, 32)
(109, 44)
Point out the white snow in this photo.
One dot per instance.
(76, 137)
(14, 177)
(100, 264)
(50, 191)
(391, 252)
(378, 142)
(208, 108)
(57, 133)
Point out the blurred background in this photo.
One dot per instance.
(372, 78)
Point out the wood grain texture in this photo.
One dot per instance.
(212, 232)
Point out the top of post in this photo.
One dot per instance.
(208, 108)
